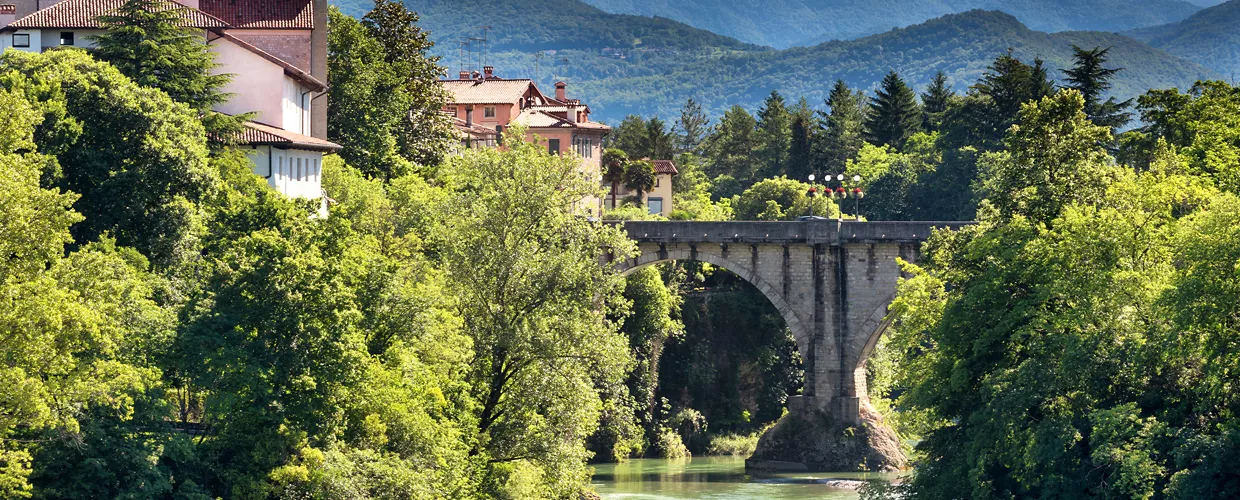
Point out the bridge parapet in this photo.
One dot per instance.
(828, 232)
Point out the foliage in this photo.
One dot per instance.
(640, 177)
(781, 198)
(1208, 37)
(1092, 80)
(893, 114)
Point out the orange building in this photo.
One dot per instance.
(483, 105)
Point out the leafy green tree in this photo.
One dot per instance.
(692, 128)
(532, 289)
(630, 136)
(842, 126)
(137, 158)
(640, 177)
(147, 41)
(615, 163)
(774, 136)
(781, 198)
(425, 133)
(893, 115)
(1089, 77)
(1198, 125)
(1054, 158)
(935, 100)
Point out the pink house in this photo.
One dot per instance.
(275, 50)
(483, 105)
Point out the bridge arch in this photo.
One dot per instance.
(795, 324)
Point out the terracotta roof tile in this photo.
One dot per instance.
(537, 118)
(287, 14)
(266, 135)
(486, 92)
(84, 14)
(665, 167)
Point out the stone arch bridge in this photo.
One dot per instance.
(831, 280)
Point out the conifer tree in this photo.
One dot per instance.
(1092, 80)
(692, 128)
(840, 134)
(732, 144)
(774, 135)
(800, 148)
(658, 142)
(893, 115)
(147, 42)
(935, 100)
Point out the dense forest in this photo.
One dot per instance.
(172, 328)
(791, 23)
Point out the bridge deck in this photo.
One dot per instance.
(831, 232)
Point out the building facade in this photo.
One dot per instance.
(275, 50)
(483, 105)
(658, 201)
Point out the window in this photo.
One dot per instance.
(21, 39)
(280, 175)
(499, 134)
(66, 38)
(298, 177)
(584, 146)
(656, 205)
(553, 146)
(488, 112)
(452, 110)
(656, 180)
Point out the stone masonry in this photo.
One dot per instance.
(831, 280)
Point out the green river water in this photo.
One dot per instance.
(715, 478)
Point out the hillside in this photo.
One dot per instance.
(1210, 37)
(531, 25)
(786, 23)
(962, 45)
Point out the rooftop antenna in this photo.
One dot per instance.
(485, 34)
(463, 46)
(479, 60)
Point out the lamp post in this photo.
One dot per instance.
(813, 192)
(843, 192)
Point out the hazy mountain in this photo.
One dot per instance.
(962, 45)
(1210, 37)
(785, 23)
(547, 24)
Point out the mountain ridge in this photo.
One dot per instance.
(1211, 37)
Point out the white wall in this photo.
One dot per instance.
(257, 84)
(36, 41)
(295, 173)
(296, 107)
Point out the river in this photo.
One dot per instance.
(715, 478)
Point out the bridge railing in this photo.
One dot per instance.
(816, 231)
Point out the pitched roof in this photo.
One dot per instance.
(494, 91)
(292, 71)
(665, 167)
(537, 118)
(288, 14)
(261, 134)
(84, 14)
(464, 130)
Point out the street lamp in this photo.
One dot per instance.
(843, 192)
(813, 192)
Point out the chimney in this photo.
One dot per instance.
(475, 75)
(560, 88)
(488, 72)
(8, 14)
(464, 75)
(572, 109)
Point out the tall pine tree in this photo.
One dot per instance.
(840, 132)
(692, 127)
(1089, 76)
(774, 135)
(893, 115)
(935, 100)
(800, 148)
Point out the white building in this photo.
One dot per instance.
(275, 50)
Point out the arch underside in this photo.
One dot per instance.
(792, 320)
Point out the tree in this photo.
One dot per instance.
(615, 164)
(630, 136)
(532, 289)
(893, 114)
(1092, 80)
(730, 149)
(692, 128)
(1009, 83)
(800, 148)
(658, 144)
(639, 176)
(138, 159)
(1054, 158)
(842, 127)
(781, 198)
(147, 41)
(425, 133)
(774, 136)
(935, 100)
